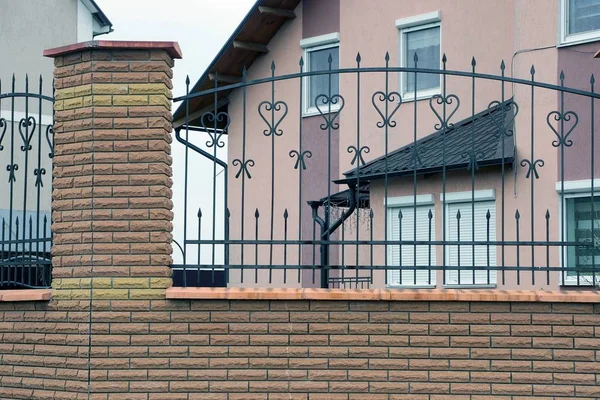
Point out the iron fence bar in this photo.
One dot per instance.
(548, 246)
(301, 165)
(386, 152)
(185, 178)
(26, 95)
(400, 241)
(25, 124)
(517, 220)
(214, 145)
(443, 128)
(562, 175)
(511, 243)
(2, 264)
(358, 159)
(473, 166)
(415, 164)
(525, 82)
(11, 168)
(467, 268)
(532, 177)
(593, 203)
(39, 171)
(503, 202)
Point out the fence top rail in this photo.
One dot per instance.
(27, 95)
(362, 70)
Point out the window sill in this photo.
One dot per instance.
(578, 41)
(25, 295)
(487, 295)
(424, 95)
(311, 112)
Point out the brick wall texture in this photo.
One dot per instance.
(109, 334)
(112, 174)
(330, 350)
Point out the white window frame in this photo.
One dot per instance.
(410, 202)
(465, 197)
(571, 190)
(564, 38)
(309, 45)
(412, 24)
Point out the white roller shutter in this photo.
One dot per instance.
(471, 277)
(405, 254)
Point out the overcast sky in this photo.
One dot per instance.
(201, 27)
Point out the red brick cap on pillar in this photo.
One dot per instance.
(172, 48)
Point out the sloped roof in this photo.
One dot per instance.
(246, 44)
(485, 128)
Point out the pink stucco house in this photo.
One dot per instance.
(380, 170)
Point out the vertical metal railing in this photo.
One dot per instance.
(395, 149)
(26, 152)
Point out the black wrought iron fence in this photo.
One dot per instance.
(26, 151)
(476, 183)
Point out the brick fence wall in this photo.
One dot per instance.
(158, 349)
(110, 333)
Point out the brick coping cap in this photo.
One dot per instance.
(25, 295)
(567, 296)
(171, 47)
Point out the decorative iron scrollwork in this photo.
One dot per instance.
(562, 117)
(273, 108)
(358, 154)
(244, 167)
(2, 132)
(38, 172)
(392, 98)
(444, 101)
(49, 133)
(11, 168)
(210, 118)
(300, 158)
(416, 156)
(500, 119)
(28, 124)
(330, 114)
(532, 167)
(472, 159)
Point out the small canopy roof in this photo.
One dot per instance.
(486, 138)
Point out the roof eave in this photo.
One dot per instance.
(424, 171)
(104, 24)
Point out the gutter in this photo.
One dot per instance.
(327, 230)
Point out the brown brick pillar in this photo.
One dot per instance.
(112, 207)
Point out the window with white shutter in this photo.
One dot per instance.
(470, 221)
(401, 222)
(582, 224)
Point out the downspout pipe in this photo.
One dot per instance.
(221, 163)
(327, 231)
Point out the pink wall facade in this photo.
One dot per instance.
(516, 31)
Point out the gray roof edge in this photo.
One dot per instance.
(430, 136)
(97, 13)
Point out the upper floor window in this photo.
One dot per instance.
(579, 21)
(420, 36)
(320, 54)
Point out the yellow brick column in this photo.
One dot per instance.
(112, 207)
